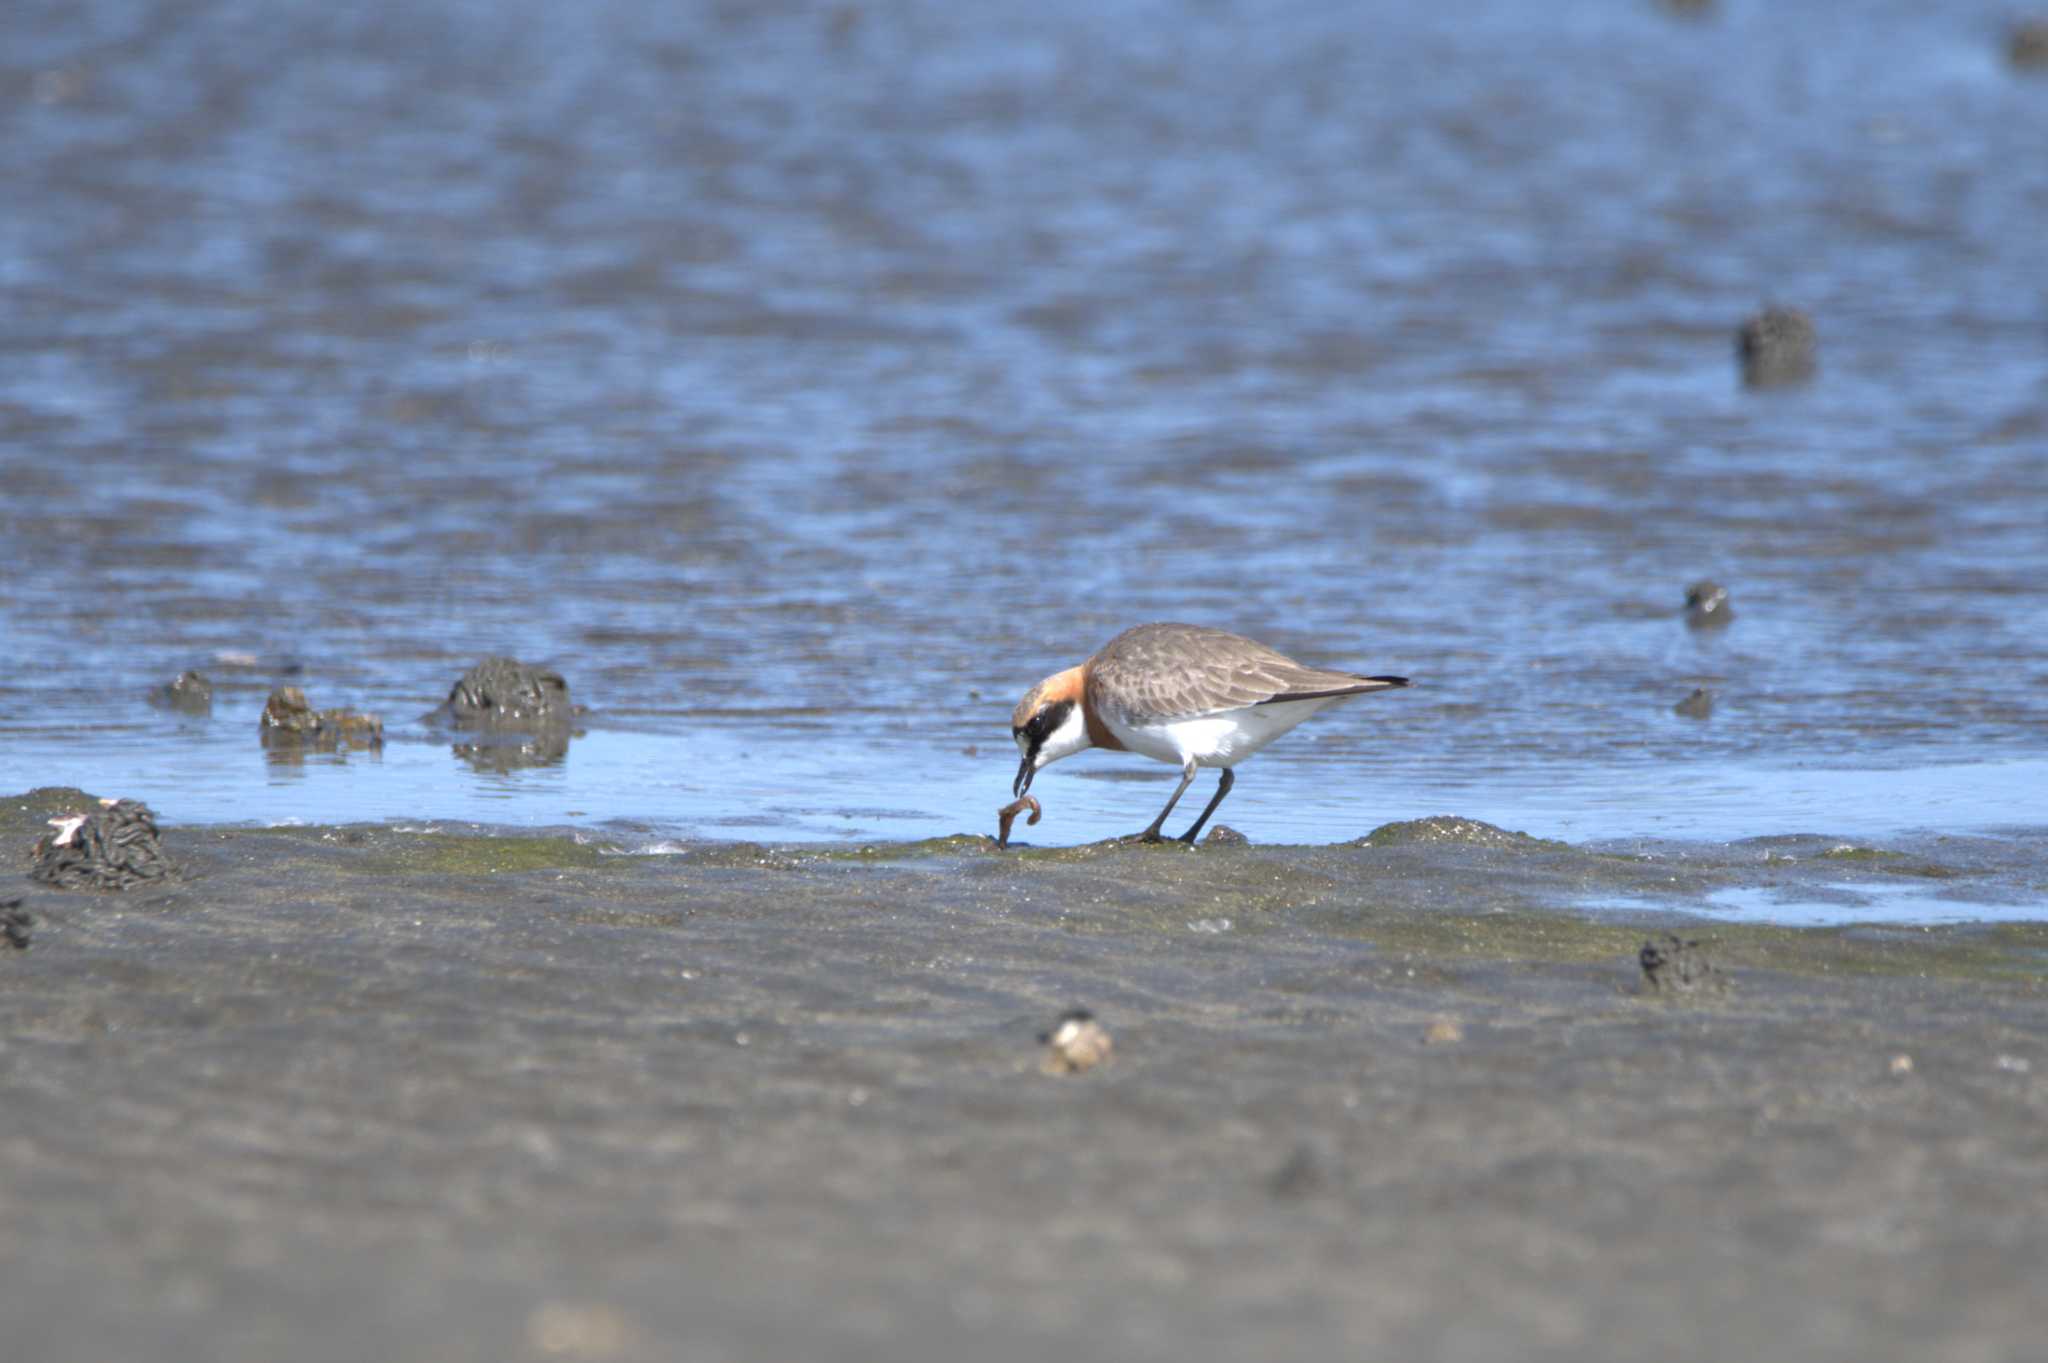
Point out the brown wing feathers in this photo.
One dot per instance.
(1179, 670)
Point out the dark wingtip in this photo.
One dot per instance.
(1360, 685)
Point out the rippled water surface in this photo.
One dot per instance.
(803, 382)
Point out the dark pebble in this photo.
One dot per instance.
(2026, 46)
(1707, 605)
(1698, 705)
(1776, 347)
(15, 922)
(191, 694)
(1302, 1175)
(1223, 835)
(1674, 965)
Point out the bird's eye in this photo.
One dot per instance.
(1041, 725)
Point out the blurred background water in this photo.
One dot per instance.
(803, 381)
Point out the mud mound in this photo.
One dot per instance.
(1440, 828)
(111, 848)
(289, 720)
(505, 693)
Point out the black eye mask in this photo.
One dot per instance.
(1035, 731)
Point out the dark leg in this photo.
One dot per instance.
(1222, 789)
(1187, 778)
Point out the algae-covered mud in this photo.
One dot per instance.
(346, 1092)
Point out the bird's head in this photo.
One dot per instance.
(1048, 725)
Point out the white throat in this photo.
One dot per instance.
(1071, 737)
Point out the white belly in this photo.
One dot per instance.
(1221, 740)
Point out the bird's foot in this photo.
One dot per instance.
(1150, 837)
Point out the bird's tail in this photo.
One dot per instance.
(1355, 687)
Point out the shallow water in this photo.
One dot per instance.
(804, 382)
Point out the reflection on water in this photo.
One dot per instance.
(1857, 904)
(290, 753)
(801, 393)
(503, 753)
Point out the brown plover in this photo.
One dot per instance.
(1184, 694)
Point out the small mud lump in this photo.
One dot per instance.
(15, 922)
(1301, 1175)
(1698, 705)
(1223, 835)
(1444, 828)
(506, 693)
(1707, 605)
(1674, 965)
(288, 711)
(289, 718)
(2026, 47)
(1776, 348)
(111, 848)
(189, 693)
(1076, 1042)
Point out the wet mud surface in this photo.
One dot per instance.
(351, 1091)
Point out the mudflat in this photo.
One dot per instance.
(356, 1092)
